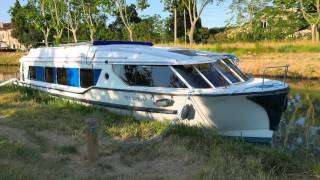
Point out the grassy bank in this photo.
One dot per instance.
(10, 58)
(264, 47)
(43, 138)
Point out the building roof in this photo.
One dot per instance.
(5, 26)
(124, 54)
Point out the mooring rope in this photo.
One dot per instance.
(10, 81)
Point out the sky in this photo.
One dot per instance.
(213, 16)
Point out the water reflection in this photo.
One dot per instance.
(300, 126)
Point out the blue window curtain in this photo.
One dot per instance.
(40, 73)
(73, 77)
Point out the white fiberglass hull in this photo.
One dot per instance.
(234, 116)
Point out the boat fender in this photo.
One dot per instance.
(188, 112)
(164, 102)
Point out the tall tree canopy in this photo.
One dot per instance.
(195, 9)
(119, 7)
(311, 12)
(244, 11)
(28, 24)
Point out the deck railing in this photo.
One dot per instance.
(285, 75)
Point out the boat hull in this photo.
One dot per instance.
(237, 115)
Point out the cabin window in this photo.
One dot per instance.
(86, 78)
(50, 75)
(62, 76)
(226, 71)
(32, 73)
(191, 75)
(212, 75)
(236, 69)
(150, 76)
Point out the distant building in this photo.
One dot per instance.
(6, 40)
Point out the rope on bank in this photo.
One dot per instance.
(10, 81)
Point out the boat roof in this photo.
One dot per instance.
(119, 52)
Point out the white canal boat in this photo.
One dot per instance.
(197, 88)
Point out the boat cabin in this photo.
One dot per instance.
(135, 64)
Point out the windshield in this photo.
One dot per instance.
(190, 74)
(211, 73)
(218, 74)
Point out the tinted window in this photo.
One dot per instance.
(163, 76)
(62, 76)
(151, 76)
(49, 75)
(32, 73)
(212, 75)
(226, 72)
(192, 76)
(86, 78)
(236, 69)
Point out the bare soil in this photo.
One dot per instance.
(118, 160)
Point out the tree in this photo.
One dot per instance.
(181, 16)
(244, 11)
(90, 15)
(57, 11)
(23, 18)
(134, 18)
(311, 12)
(149, 29)
(195, 9)
(74, 11)
(119, 7)
(41, 18)
(172, 6)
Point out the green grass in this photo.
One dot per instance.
(197, 152)
(259, 49)
(14, 150)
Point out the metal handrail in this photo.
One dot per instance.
(285, 76)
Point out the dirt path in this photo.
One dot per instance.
(152, 161)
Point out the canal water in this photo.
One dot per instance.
(300, 125)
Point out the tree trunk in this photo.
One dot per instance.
(45, 36)
(92, 31)
(191, 32)
(314, 33)
(175, 26)
(317, 34)
(57, 37)
(74, 34)
(130, 34)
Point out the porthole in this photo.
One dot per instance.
(106, 76)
